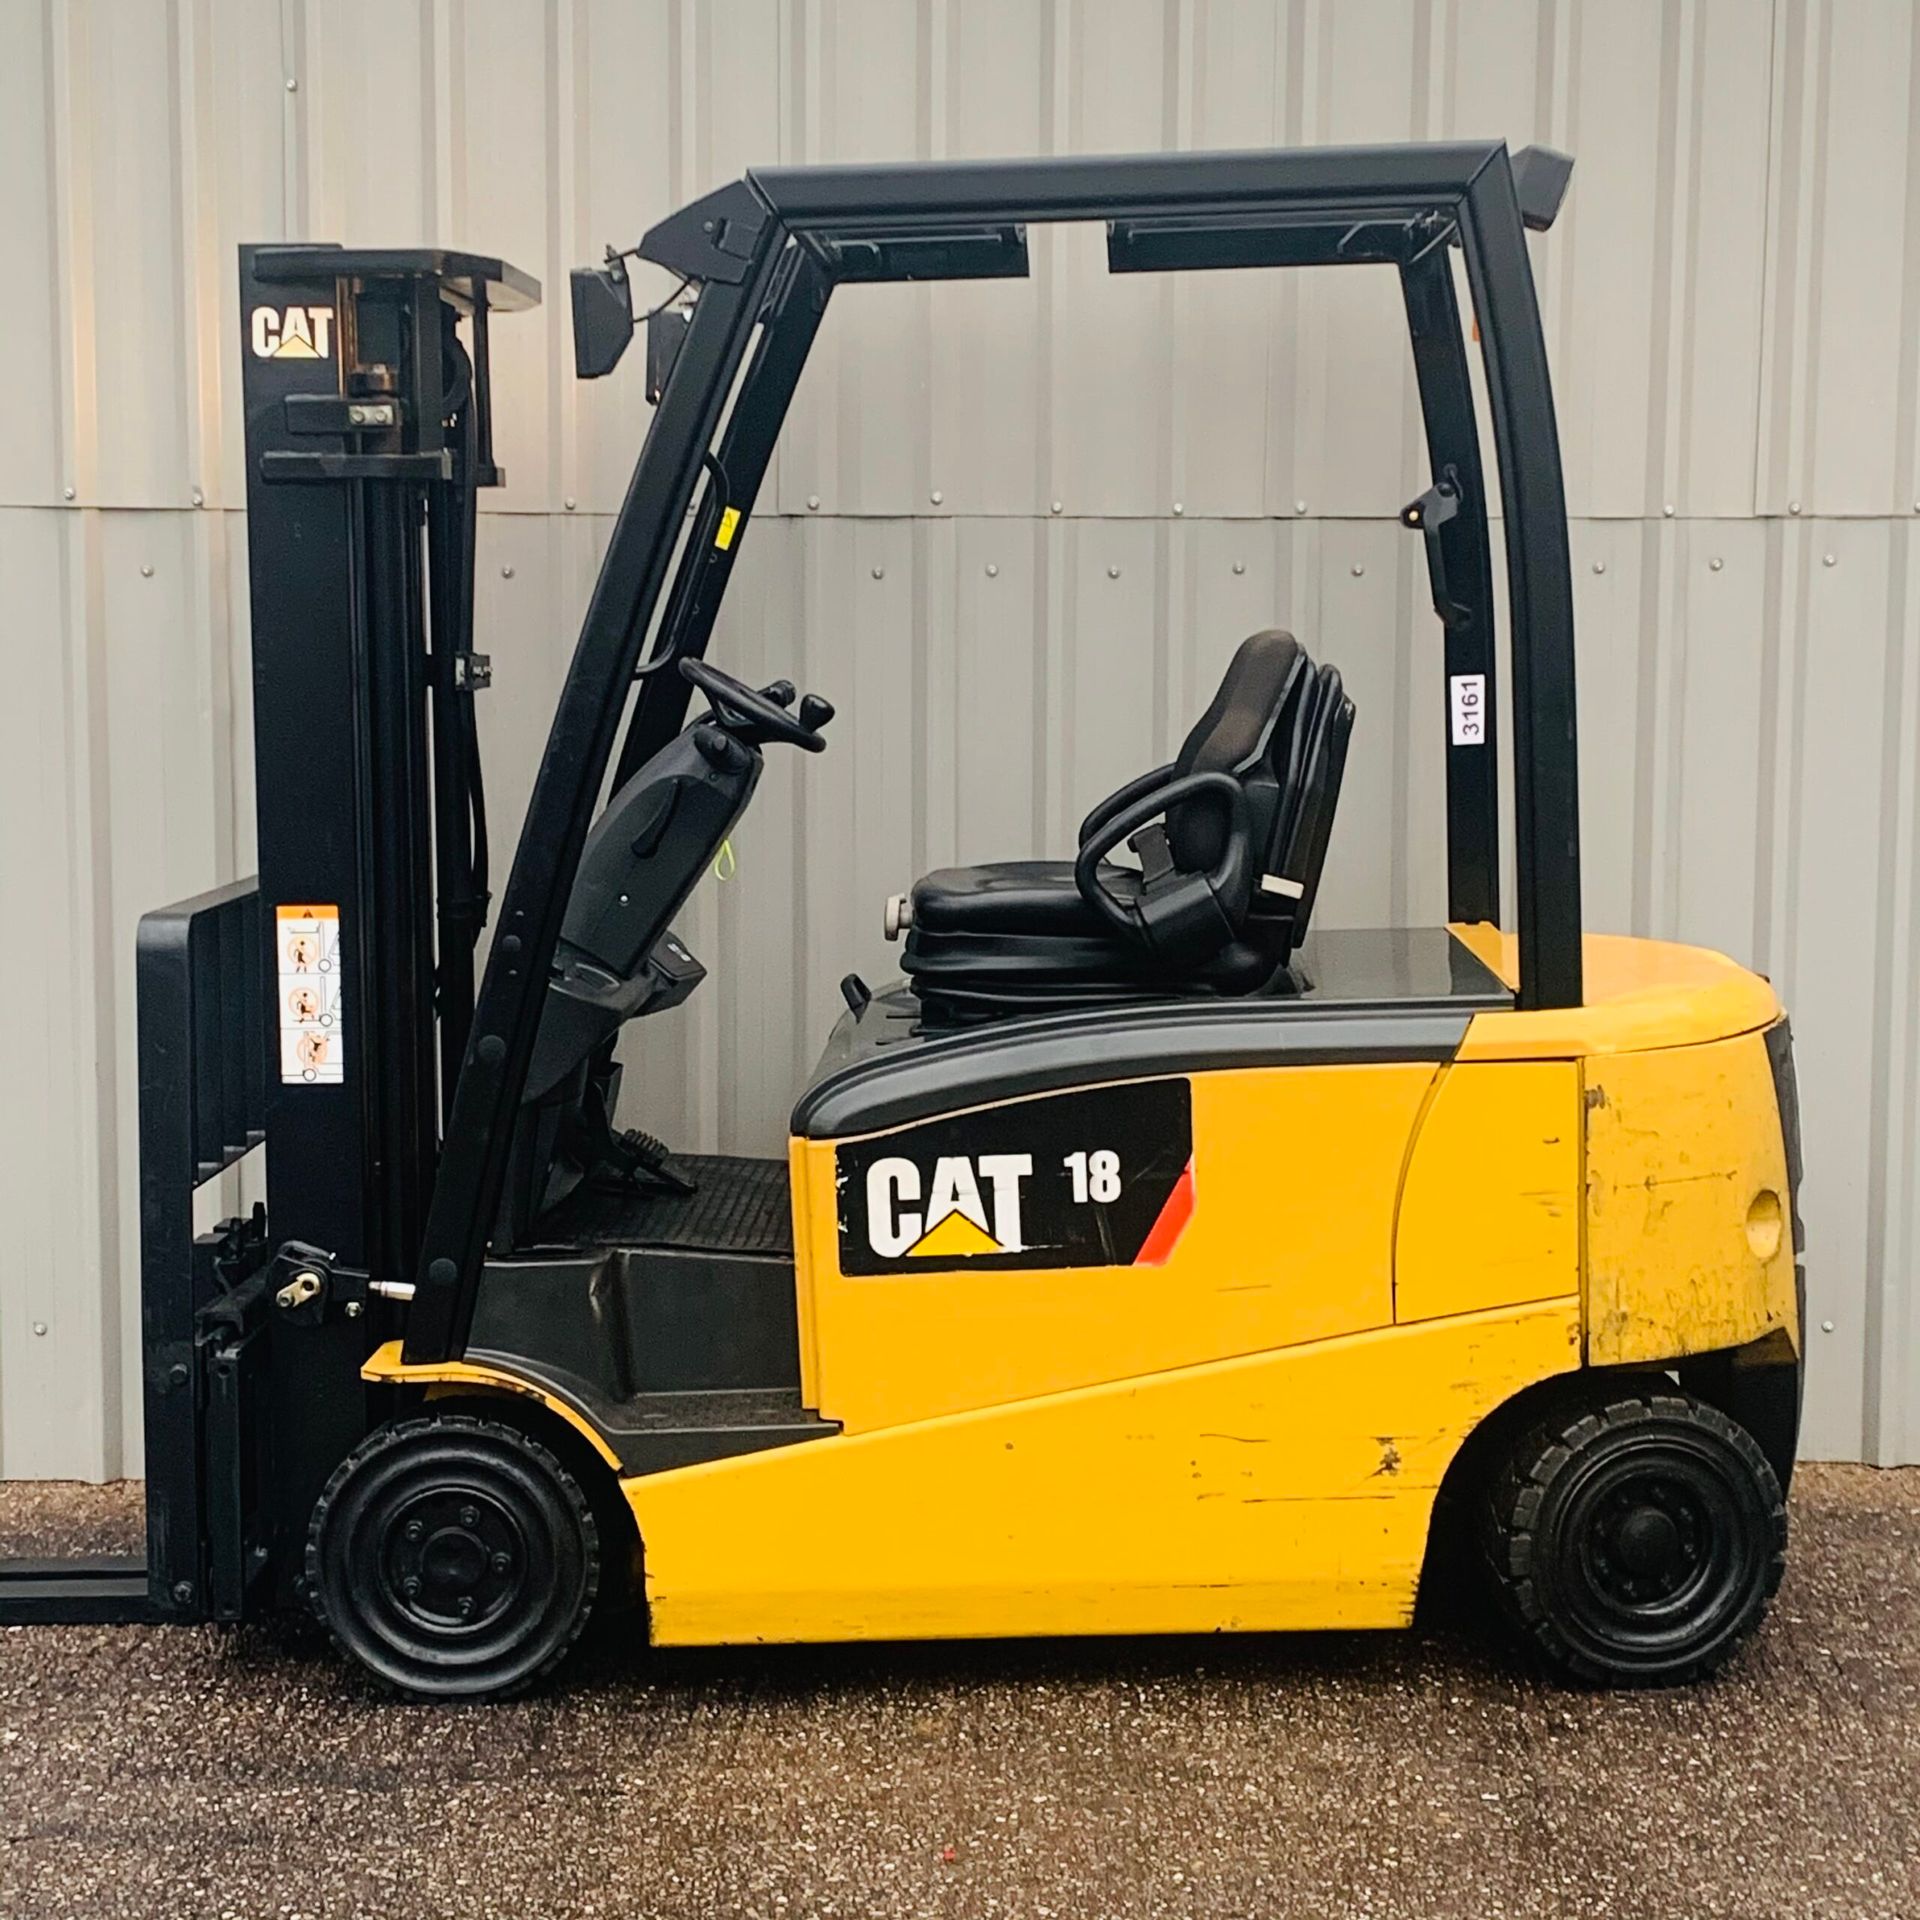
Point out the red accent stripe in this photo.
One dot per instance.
(1171, 1224)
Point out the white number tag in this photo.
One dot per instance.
(1469, 709)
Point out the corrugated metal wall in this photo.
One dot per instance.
(1018, 525)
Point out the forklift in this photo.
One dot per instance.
(1144, 1260)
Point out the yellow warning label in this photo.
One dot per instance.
(729, 526)
(954, 1237)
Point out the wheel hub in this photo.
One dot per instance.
(1649, 1540)
(452, 1559)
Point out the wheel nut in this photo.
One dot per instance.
(410, 1585)
(502, 1561)
(414, 1529)
(469, 1516)
(465, 1608)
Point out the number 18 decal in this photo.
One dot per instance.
(1096, 1176)
(1013, 1185)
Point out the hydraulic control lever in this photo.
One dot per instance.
(814, 711)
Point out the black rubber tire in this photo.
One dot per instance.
(454, 1558)
(1635, 1537)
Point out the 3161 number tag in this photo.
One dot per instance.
(1469, 709)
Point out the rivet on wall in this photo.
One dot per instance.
(1056, 506)
(506, 573)
(1113, 573)
(568, 503)
(1358, 570)
(66, 493)
(813, 503)
(198, 498)
(293, 85)
(1179, 507)
(1239, 566)
(1716, 563)
(1299, 506)
(146, 572)
(1599, 566)
(1668, 509)
(936, 496)
(879, 573)
(1793, 506)
(1829, 559)
(993, 572)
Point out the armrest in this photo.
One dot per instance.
(1229, 875)
(1122, 797)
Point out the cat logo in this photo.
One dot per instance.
(956, 1222)
(1087, 1177)
(297, 333)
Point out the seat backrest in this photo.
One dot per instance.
(1285, 895)
(1310, 858)
(1234, 736)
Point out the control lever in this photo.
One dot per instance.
(815, 712)
(780, 692)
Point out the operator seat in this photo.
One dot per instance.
(1225, 884)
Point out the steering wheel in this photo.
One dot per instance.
(733, 699)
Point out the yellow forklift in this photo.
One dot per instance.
(1145, 1260)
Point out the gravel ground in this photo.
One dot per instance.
(202, 1772)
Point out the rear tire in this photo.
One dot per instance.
(454, 1558)
(1635, 1539)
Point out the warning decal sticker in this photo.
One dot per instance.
(312, 1043)
(1102, 1177)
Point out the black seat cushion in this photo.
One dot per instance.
(1009, 896)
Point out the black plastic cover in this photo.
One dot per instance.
(666, 328)
(1540, 176)
(602, 319)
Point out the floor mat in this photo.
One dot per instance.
(740, 1206)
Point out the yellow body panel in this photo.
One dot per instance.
(1490, 1209)
(1689, 1239)
(385, 1364)
(1640, 994)
(798, 1189)
(1248, 1430)
(1296, 1171)
(1280, 1490)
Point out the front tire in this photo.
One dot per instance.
(454, 1558)
(1635, 1540)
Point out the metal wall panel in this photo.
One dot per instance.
(1015, 527)
(1840, 423)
